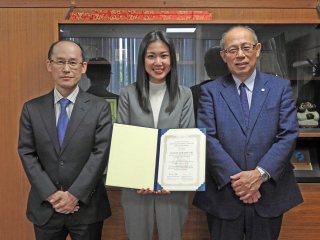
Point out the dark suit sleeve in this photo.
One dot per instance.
(37, 176)
(187, 116)
(219, 164)
(92, 171)
(278, 156)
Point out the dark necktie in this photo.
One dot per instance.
(63, 119)
(244, 102)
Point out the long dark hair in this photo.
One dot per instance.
(142, 84)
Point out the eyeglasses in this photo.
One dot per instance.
(73, 64)
(246, 48)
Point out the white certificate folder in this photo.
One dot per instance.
(148, 158)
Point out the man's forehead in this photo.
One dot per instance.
(238, 39)
(67, 48)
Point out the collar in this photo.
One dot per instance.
(72, 96)
(249, 82)
(161, 85)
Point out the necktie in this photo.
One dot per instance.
(244, 102)
(63, 119)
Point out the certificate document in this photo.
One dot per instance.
(181, 163)
(171, 159)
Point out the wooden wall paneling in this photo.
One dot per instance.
(303, 222)
(25, 37)
(12, 183)
(163, 4)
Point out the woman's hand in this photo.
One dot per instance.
(147, 191)
(143, 191)
(162, 192)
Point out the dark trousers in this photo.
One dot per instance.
(249, 226)
(60, 225)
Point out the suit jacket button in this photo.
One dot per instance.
(61, 163)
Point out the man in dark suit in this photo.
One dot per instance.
(64, 151)
(251, 135)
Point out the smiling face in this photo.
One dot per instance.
(243, 63)
(157, 61)
(66, 77)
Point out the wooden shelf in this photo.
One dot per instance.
(309, 132)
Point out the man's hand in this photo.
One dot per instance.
(246, 185)
(63, 202)
(253, 199)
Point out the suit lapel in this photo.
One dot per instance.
(49, 119)
(260, 92)
(80, 109)
(231, 97)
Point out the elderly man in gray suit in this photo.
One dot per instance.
(63, 145)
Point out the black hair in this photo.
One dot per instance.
(214, 64)
(142, 84)
(98, 68)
